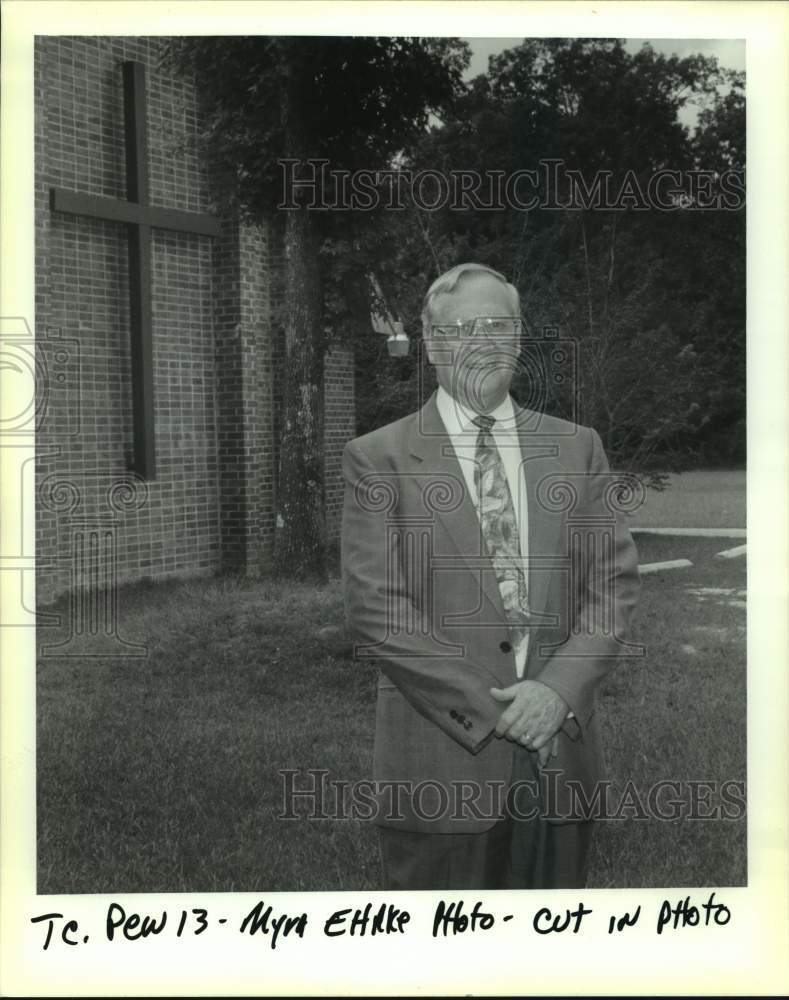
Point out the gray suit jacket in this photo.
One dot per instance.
(423, 604)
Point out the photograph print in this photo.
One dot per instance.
(391, 463)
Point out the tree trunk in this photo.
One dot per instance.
(300, 533)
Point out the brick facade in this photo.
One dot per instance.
(211, 504)
(339, 427)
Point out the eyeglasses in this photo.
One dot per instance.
(492, 327)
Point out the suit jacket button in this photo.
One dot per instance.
(453, 713)
(467, 724)
(505, 647)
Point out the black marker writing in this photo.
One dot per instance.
(70, 927)
(626, 920)
(684, 914)
(453, 918)
(262, 921)
(553, 925)
(116, 918)
(387, 920)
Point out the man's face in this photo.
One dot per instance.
(476, 370)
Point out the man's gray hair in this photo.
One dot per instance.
(447, 282)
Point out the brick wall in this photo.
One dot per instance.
(339, 427)
(212, 502)
(245, 397)
(170, 526)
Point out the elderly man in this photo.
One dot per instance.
(490, 579)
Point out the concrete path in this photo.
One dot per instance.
(735, 553)
(660, 566)
(694, 532)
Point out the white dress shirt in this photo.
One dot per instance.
(458, 421)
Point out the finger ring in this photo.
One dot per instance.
(525, 739)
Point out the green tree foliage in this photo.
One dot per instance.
(652, 301)
(354, 102)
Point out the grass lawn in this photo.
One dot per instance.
(705, 499)
(161, 774)
(679, 714)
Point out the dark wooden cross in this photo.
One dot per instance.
(138, 216)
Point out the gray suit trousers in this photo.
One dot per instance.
(520, 851)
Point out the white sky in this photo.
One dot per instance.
(730, 53)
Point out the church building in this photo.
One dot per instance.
(157, 335)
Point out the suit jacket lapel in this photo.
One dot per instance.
(432, 445)
(539, 454)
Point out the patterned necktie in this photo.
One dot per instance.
(500, 529)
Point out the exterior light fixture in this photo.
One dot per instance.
(397, 342)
